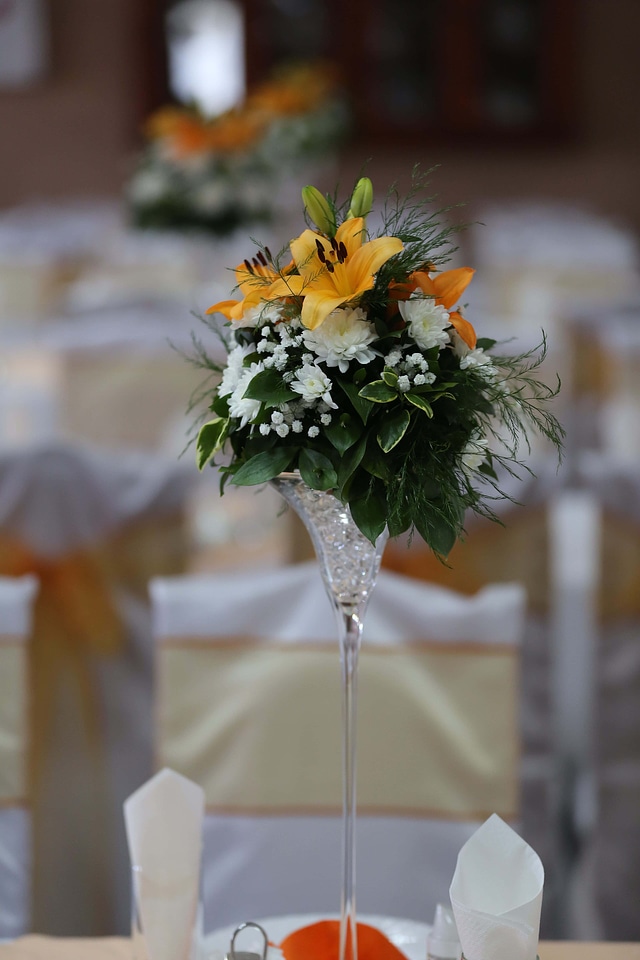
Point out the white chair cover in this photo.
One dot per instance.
(16, 599)
(249, 706)
(519, 549)
(609, 875)
(94, 528)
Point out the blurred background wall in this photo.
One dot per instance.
(74, 131)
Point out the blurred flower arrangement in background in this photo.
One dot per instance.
(216, 173)
(350, 360)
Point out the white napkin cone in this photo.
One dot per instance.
(164, 821)
(496, 894)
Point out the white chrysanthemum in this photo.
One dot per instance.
(427, 321)
(474, 453)
(241, 406)
(233, 370)
(345, 335)
(313, 385)
(475, 358)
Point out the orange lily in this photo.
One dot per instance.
(447, 288)
(334, 272)
(320, 941)
(255, 280)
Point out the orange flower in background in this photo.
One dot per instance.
(334, 272)
(297, 89)
(320, 941)
(234, 131)
(447, 288)
(184, 132)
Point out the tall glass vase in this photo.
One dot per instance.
(349, 564)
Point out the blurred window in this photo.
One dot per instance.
(205, 40)
(416, 70)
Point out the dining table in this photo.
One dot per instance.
(34, 947)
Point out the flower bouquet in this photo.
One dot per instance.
(307, 113)
(202, 173)
(215, 173)
(351, 361)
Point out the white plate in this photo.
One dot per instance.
(409, 936)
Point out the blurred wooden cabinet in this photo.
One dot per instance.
(434, 70)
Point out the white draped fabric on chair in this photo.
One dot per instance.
(16, 603)
(248, 706)
(520, 549)
(93, 528)
(608, 878)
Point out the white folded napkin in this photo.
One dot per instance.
(164, 821)
(496, 894)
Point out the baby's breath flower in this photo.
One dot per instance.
(282, 429)
(404, 383)
(296, 426)
(277, 417)
(325, 419)
(264, 429)
(313, 432)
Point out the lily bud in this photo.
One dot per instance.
(319, 210)
(362, 198)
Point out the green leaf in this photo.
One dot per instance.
(362, 407)
(378, 392)
(317, 470)
(269, 387)
(393, 427)
(390, 377)
(375, 463)
(485, 343)
(420, 402)
(210, 439)
(264, 466)
(344, 432)
(437, 532)
(220, 406)
(399, 522)
(370, 515)
(350, 462)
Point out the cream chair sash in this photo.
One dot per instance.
(249, 706)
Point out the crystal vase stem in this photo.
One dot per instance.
(349, 564)
(350, 634)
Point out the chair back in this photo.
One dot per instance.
(248, 688)
(16, 601)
